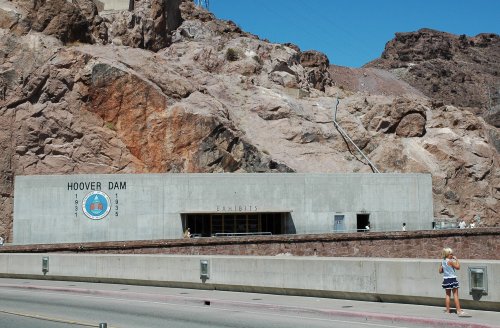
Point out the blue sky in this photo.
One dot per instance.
(354, 32)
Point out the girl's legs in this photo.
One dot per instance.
(457, 301)
(447, 300)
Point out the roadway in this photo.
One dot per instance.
(44, 303)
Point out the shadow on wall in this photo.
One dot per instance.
(289, 224)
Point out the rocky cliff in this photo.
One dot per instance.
(458, 70)
(166, 87)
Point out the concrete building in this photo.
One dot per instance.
(104, 5)
(87, 208)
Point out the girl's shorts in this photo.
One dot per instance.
(450, 283)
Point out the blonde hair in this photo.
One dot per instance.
(446, 251)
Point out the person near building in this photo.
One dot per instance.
(1, 241)
(187, 233)
(448, 267)
(462, 224)
(403, 228)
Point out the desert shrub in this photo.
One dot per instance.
(111, 126)
(258, 60)
(232, 54)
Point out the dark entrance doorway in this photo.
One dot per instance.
(210, 224)
(363, 220)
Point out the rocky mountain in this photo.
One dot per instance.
(166, 87)
(458, 70)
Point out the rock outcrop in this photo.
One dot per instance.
(458, 70)
(147, 91)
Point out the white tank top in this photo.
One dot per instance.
(448, 270)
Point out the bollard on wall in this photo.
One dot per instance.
(204, 275)
(45, 265)
(478, 280)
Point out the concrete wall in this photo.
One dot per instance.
(48, 209)
(171, 8)
(112, 4)
(390, 280)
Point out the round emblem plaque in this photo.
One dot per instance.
(96, 205)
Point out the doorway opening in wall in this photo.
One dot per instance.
(234, 224)
(339, 223)
(363, 220)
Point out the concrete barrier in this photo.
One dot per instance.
(389, 280)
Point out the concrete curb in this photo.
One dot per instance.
(273, 308)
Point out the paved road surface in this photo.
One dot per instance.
(64, 308)
(16, 321)
(73, 304)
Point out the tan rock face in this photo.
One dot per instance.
(192, 107)
(403, 117)
(318, 64)
(411, 125)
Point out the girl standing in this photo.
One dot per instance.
(449, 264)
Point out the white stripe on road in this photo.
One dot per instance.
(51, 319)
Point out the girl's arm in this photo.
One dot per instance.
(454, 263)
(441, 268)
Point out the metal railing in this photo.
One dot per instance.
(239, 234)
(345, 135)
